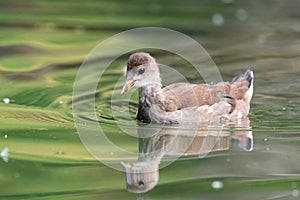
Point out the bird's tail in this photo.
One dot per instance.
(248, 75)
(245, 80)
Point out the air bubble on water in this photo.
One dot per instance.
(6, 100)
(241, 14)
(218, 19)
(295, 193)
(217, 185)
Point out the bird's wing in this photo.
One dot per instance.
(179, 95)
(184, 95)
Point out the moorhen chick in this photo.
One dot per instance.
(184, 102)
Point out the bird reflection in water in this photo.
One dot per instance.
(170, 143)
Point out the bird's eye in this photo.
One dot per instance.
(141, 183)
(141, 70)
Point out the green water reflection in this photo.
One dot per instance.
(42, 45)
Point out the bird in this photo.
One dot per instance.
(185, 102)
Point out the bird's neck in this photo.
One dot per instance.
(149, 95)
(150, 89)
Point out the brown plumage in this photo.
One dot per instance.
(184, 102)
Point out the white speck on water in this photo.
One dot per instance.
(295, 193)
(218, 19)
(6, 100)
(241, 14)
(5, 136)
(217, 185)
(60, 153)
(283, 108)
(266, 139)
(4, 154)
(61, 102)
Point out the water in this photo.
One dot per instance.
(42, 48)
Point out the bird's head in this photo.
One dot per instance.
(141, 176)
(142, 70)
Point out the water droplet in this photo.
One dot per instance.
(218, 19)
(241, 14)
(295, 193)
(217, 185)
(6, 100)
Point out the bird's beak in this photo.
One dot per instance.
(130, 80)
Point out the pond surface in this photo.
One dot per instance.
(42, 46)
